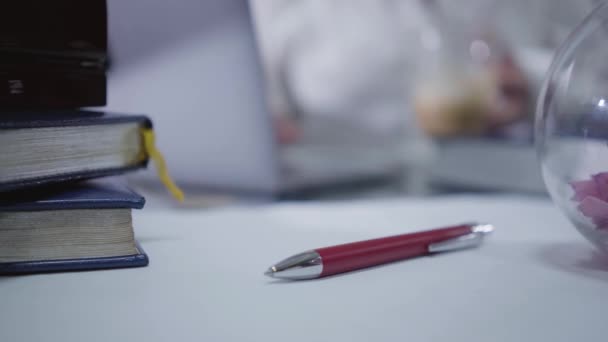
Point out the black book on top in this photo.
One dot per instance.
(53, 54)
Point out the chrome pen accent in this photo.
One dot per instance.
(306, 265)
(482, 228)
(474, 239)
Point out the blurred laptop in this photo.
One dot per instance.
(486, 165)
(195, 69)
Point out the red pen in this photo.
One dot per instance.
(327, 261)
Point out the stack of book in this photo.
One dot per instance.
(53, 215)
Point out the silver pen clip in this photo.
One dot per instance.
(474, 239)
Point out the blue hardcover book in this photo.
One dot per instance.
(82, 226)
(40, 148)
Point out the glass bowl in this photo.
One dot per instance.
(571, 128)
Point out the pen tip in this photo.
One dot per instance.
(270, 272)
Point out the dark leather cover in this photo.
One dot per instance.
(63, 118)
(53, 54)
(23, 87)
(24, 120)
(84, 195)
(84, 264)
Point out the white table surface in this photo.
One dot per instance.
(534, 280)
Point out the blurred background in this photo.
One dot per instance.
(338, 98)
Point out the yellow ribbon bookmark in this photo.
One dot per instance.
(161, 165)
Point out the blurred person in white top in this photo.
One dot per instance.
(354, 60)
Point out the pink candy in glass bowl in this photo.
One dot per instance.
(571, 128)
(592, 198)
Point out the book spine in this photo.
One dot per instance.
(25, 89)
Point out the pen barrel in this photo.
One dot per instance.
(362, 254)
